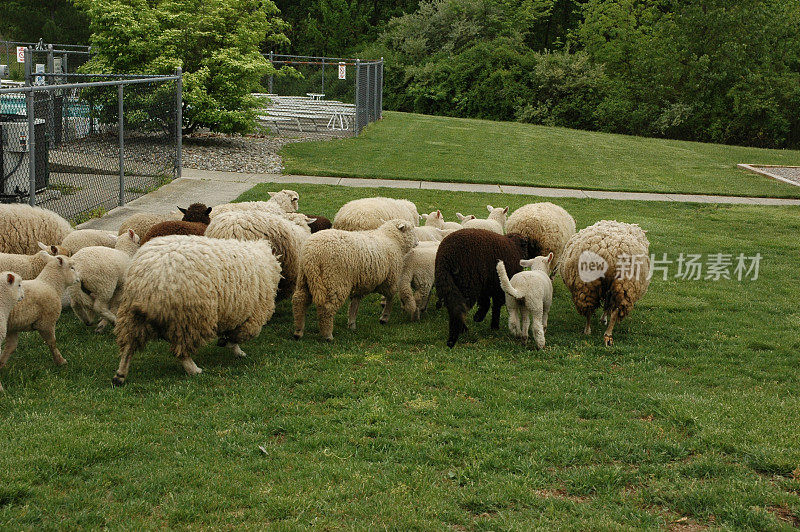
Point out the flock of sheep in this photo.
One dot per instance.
(217, 273)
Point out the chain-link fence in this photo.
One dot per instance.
(322, 95)
(55, 58)
(96, 141)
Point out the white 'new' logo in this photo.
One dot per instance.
(591, 266)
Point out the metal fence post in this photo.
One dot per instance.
(270, 76)
(323, 76)
(380, 94)
(29, 105)
(50, 127)
(120, 110)
(28, 61)
(358, 83)
(179, 123)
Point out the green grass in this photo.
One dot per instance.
(431, 148)
(691, 418)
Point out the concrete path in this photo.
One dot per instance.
(214, 188)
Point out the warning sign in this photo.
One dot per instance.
(342, 71)
(20, 54)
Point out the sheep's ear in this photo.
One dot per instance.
(550, 257)
(60, 261)
(182, 210)
(45, 255)
(10, 278)
(525, 263)
(54, 250)
(423, 216)
(271, 194)
(404, 227)
(310, 221)
(460, 216)
(131, 234)
(505, 211)
(489, 208)
(208, 211)
(439, 213)
(43, 246)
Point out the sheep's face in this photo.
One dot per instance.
(542, 263)
(288, 200)
(434, 219)
(197, 212)
(498, 214)
(405, 230)
(14, 286)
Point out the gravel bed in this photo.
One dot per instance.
(792, 173)
(251, 154)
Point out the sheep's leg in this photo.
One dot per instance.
(384, 319)
(353, 312)
(612, 320)
(101, 308)
(300, 303)
(483, 309)
(588, 328)
(185, 357)
(538, 318)
(545, 314)
(604, 317)
(48, 334)
(8, 349)
(81, 305)
(426, 298)
(514, 321)
(247, 330)
(526, 325)
(497, 304)
(325, 314)
(408, 299)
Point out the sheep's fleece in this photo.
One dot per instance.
(141, 222)
(609, 239)
(370, 213)
(189, 289)
(22, 227)
(279, 203)
(547, 223)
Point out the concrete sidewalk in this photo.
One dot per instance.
(214, 188)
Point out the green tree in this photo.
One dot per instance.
(54, 21)
(216, 42)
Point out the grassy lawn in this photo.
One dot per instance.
(430, 148)
(690, 419)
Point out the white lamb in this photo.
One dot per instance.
(278, 203)
(495, 222)
(83, 238)
(529, 295)
(416, 279)
(28, 266)
(11, 292)
(102, 272)
(189, 289)
(40, 309)
(336, 264)
(366, 214)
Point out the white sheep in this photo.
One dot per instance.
(430, 234)
(102, 273)
(370, 213)
(189, 289)
(11, 293)
(495, 222)
(608, 265)
(83, 238)
(416, 278)
(22, 227)
(338, 264)
(285, 201)
(28, 266)
(546, 223)
(142, 222)
(463, 218)
(529, 295)
(287, 238)
(40, 309)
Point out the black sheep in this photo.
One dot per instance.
(466, 273)
(195, 220)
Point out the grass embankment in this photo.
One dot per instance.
(432, 148)
(690, 419)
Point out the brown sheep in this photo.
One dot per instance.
(320, 223)
(195, 221)
(466, 273)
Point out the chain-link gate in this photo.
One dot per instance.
(96, 141)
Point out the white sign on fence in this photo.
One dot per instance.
(39, 70)
(20, 54)
(342, 71)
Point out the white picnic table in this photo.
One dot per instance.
(315, 95)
